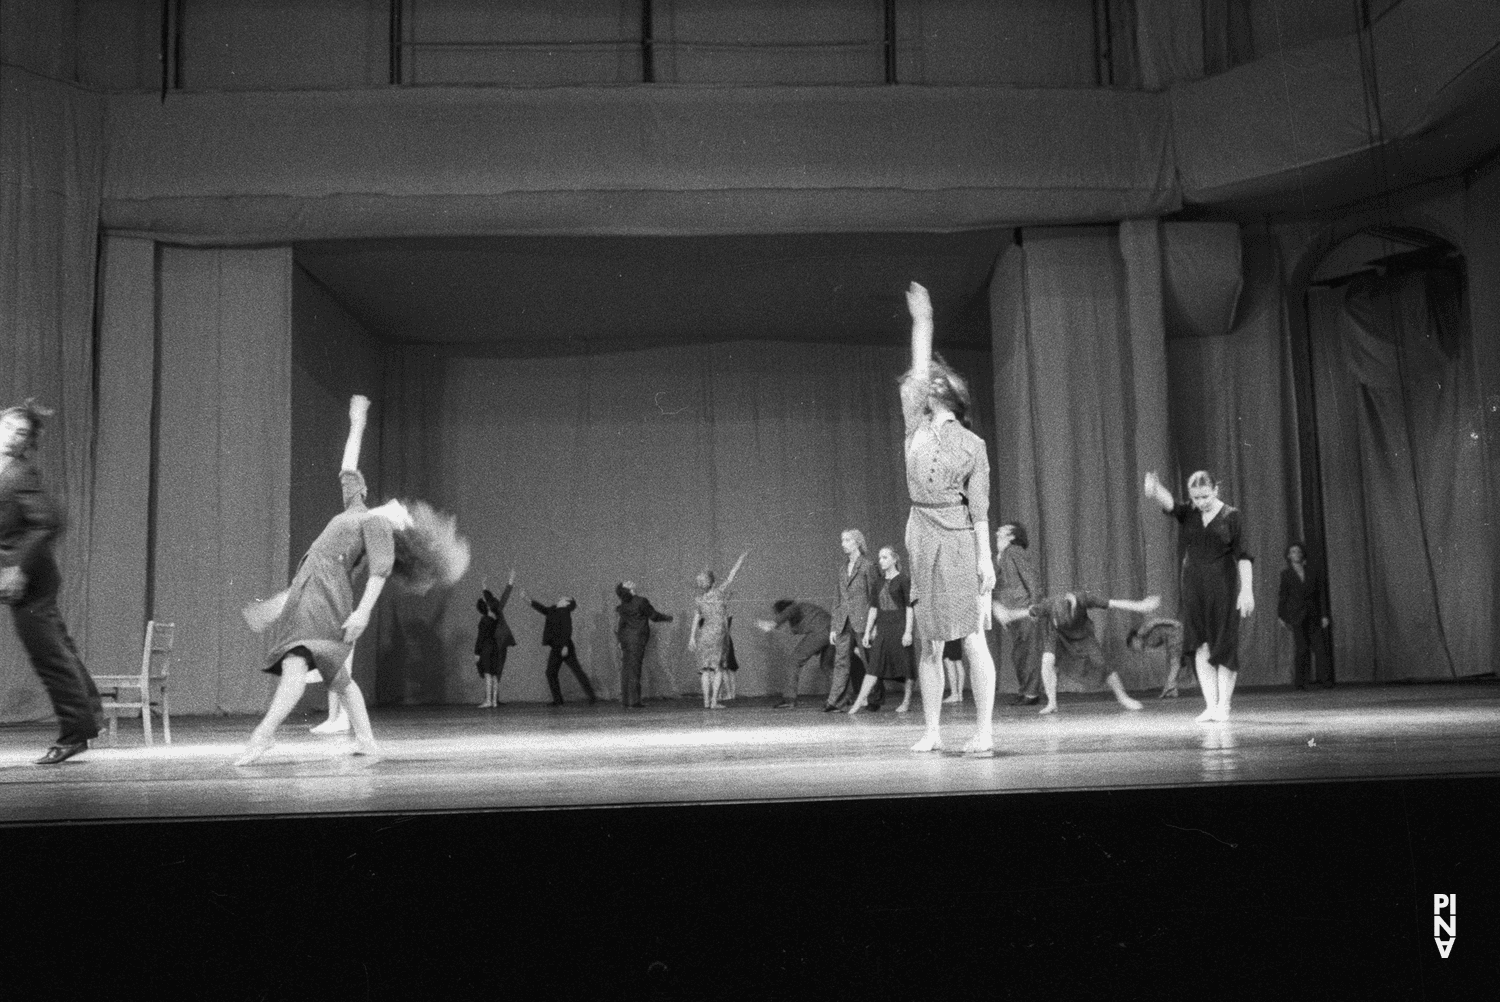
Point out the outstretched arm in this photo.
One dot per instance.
(1156, 491)
(919, 305)
(1144, 606)
(359, 409)
(735, 569)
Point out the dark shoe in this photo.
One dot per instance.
(635, 706)
(873, 709)
(555, 702)
(785, 704)
(62, 751)
(830, 708)
(1024, 700)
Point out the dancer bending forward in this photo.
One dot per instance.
(947, 532)
(1216, 585)
(1068, 636)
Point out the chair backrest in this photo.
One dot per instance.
(156, 657)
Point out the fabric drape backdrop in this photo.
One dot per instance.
(1399, 415)
(580, 471)
(49, 210)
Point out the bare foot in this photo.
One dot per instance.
(954, 699)
(904, 708)
(980, 746)
(1131, 704)
(368, 749)
(856, 708)
(486, 705)
(1207, 716)
(1220, 715)
(253, 751)
(1049, 708)
(929, 742)
(333, 725)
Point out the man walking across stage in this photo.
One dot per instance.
(634, 632)
(29, 582)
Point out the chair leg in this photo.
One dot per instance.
(114, 729)
(166, 717)
(146, 715)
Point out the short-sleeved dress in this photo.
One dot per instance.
(1211, 582)
(948, 480)
(1068, 635)
(712, 612)
(888, 657)
(321, 595)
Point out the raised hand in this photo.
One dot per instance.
(359, 407)
(918, 302)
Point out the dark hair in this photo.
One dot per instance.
(1202, 478)
(483, 609)
(782, 605)
(949, 388)
(621, 592)
(430, 551)
(1018, 531)
(708, 573)
(1287, 555)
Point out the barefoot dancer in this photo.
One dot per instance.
(1068, 636)
(1216, 585)
(314, 623)
(706, 638)
(947, 533)
(888, 634)
(352, 481)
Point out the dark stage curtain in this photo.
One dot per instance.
(649, 464)
(1405, 495)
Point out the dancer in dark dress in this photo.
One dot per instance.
(557, 636)
(1217, 585)
(29, 581)
(1163, 635)
(811, 625)
(636, 614)
(314, 623)
(1299, 605)
(947, 533)
(1016, 589)
(888, 632)
(493, 641)
(1068, 638)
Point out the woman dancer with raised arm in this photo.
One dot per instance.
(947, 532)
(314, 623)
(1216, 585)
(706, 638)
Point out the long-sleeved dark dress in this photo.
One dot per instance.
(1211, 582)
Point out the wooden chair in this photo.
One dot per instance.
(156, 663)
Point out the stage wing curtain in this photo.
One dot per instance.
(49, 210)
(1233, 413)
(652, 464)
(1068, 398)
(1406, 500)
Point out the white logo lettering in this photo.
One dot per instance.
(1444, 926)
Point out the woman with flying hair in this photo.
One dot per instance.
(313, 624)
(947, 532)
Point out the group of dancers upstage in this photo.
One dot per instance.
(899, 621)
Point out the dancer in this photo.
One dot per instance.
(947, 532)
(731, 663)
(1016, 589)
(857, 583)
(1160, 635)
(557, 637)
(494, 641)
(29, 581)
(1068, 636)
(812, 626)
(315, 622)
(636, 614)
(953, 671)
(888, 633)
(1299, 603)
(352, 484)
(706, 638)
(1217, 588)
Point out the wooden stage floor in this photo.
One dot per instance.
(527, 757)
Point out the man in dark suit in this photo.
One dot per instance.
(634, 633)
(857, 585)
(29, 582)
(557, 634)
(812, 626)
(1299, 605)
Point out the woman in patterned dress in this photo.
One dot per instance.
(1216, 591)
(947, 532)
(706, 638)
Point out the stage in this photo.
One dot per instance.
(673, 752)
